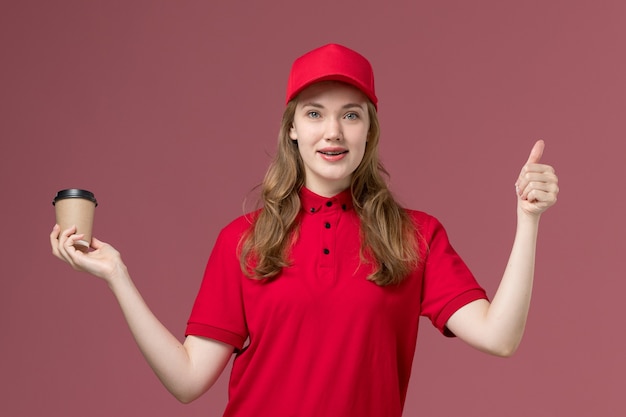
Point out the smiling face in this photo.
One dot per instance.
(330, 125)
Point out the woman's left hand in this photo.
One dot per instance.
(537, 184)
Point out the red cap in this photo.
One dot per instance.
(332, 62)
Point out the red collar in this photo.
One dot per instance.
(313, 203)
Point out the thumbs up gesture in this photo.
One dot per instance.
(537, 184)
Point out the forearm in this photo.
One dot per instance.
(497, 327)
(508, 311)
(164, 353)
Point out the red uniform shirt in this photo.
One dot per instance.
(320, 339)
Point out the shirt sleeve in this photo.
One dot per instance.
(218, 311)
(448, 284)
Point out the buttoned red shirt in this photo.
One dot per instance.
(320, 339)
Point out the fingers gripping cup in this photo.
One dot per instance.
(76, 207)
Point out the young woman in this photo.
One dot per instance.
(318, 294)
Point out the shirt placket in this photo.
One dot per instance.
(328, 223)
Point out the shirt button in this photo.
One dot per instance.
(344, 207)
(312, 209)
(329, 203)
(327, 225)
(326, 251)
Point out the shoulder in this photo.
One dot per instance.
(422, 220)
(427, 225)
(238, 227)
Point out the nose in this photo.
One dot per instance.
(334, 129)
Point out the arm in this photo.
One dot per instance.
(187, 370)
(497, 327)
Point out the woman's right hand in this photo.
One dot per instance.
(186, 370)
(102, 261)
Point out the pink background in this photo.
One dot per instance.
(168, 111)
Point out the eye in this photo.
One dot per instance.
(351, 116)
(313, 114)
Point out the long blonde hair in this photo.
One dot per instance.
(388, 235)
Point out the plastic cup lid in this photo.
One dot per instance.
(75, 193)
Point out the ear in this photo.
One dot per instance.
(292, 133)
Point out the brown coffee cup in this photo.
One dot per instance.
(76, 207)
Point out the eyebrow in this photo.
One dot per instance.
(345, 106)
